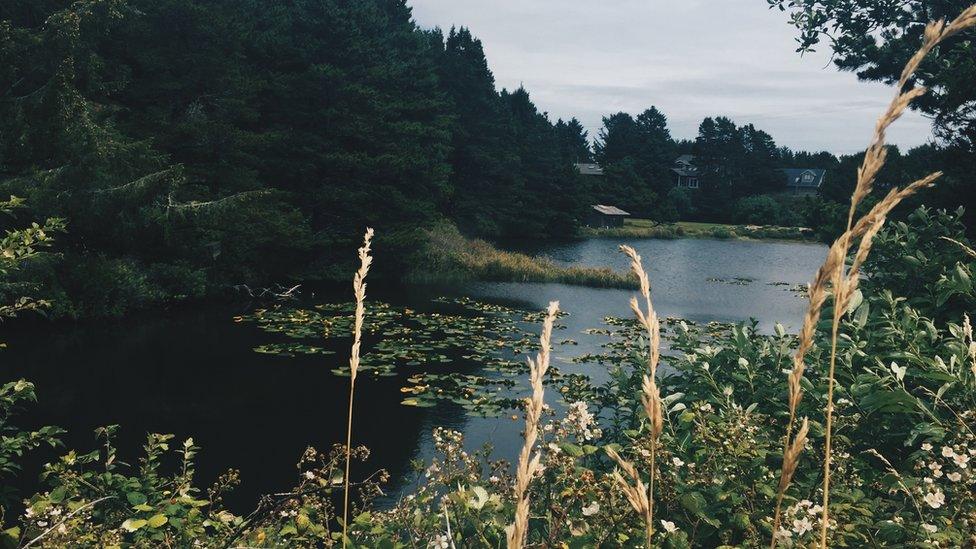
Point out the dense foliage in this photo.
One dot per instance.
(193, 145)
(903, 448)
(874, 39)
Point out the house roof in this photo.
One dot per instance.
(794, 177)
(589, 169)
(608, 210)
(684, 166)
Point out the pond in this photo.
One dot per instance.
(195, 372)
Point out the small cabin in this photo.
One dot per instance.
(589, 169)
(603, 217)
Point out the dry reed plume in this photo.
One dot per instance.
(529, 464)
(641, 499)
(359, 289)
(842, 281)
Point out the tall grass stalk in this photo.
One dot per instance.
(643, 501)
(529, 463)
(359, 289)
(842, 280)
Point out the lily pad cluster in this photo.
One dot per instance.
(465, 352)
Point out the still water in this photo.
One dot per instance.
(194, 372)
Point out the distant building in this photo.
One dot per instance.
(589, 169)
(684, 174)
(803, 181)
(603, 217)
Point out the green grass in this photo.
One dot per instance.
(645, 228)
(450, 257)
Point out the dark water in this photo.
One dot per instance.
(194, 373)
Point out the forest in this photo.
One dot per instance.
(187, 147)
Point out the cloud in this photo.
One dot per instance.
(690, 58)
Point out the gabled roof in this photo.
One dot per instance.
(608, 210)
(684, 166)
(794, 177)
(589, 169)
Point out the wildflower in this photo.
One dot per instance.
(802, 526)
(898, 371)
(962, 460)
(309, 475)
(727, 391)
(935, 499)
(439, 542)
(928, 480)
(930, 528)
(954, 477)
(926, 447)
(948, 452)
(668, 526)
(591, 509)
(677, 461)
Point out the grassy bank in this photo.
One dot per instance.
(450, 257)
(645, 228)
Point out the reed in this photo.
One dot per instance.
(640, 499)
(835, 277)
(359, 290)
(529, 463)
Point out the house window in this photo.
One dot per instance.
(808, 178)
(692, 183)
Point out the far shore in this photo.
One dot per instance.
(645, 228)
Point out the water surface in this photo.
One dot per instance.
(194, 373)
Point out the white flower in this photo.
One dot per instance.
(930, 528)
(669, 526)
(935, 499)
(591, 509)
(802, 526)
(677, 462)
(439, 542)
(962, 460)
(928, 480)
(954, 477)
(898, 371)
(926, 447)
(948, 452)
(815, 510)
(309, 475)
(727, 391)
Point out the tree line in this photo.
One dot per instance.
(192, 145)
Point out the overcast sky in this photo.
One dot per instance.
(690, 58)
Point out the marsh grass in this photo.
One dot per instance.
(450, 257)
(529, 463)
(359, 290)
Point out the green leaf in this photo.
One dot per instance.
(157, 520)
(131, 525)
(694, 503)
(136, 498)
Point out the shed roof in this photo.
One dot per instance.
(609, 210)
(589, 168)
